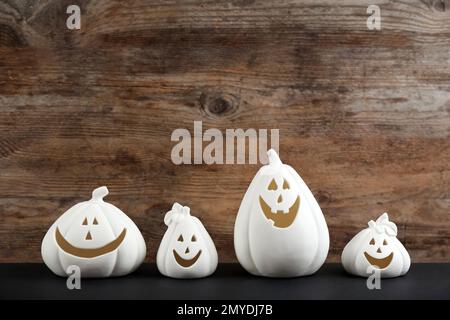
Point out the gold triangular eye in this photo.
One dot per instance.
(85, 222)
(95, 221)
(285, 185)
(385, 242)
(272, 185)
(180, 238)
(193, 239)
(372, 242)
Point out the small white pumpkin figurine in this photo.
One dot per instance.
(376, 247)
(186, 250)
(95, 236)
(280, 230)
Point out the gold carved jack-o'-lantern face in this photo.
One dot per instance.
(185, 262)
(279, 202)
(378, 247)
(85, 228)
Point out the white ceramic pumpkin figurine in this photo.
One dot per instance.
(376, 247)
(95, 236)
(186, 250)
(280, 230)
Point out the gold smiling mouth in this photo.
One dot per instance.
(379, 263)
(280, 219)
(88, 252)
(186, 262)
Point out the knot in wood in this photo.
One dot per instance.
(218, 105)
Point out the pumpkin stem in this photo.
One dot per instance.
(100, 193)
(273, 157)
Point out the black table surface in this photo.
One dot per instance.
(230, 281)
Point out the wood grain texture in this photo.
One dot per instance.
(364, 116)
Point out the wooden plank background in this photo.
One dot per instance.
(364, 116)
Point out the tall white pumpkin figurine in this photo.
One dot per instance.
(280, 230)
(376, 247)
(186, 250)
(95, 236)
